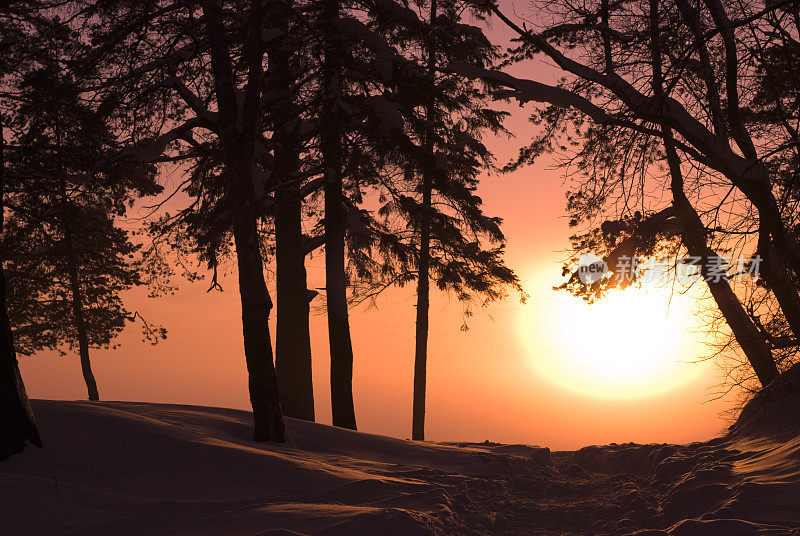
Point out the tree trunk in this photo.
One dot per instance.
(17, 423)
(776, 275)
(747, 335)
(331, 145)
(77, 298)
(256, 305)
(338, 317)
(423, 282)
(80, 321)
(238, 133)
(293, 343)
(695, 238)
(423, 306)
(694, 235)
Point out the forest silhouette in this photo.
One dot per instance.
(359, 130)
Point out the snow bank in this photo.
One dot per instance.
(775, 411)
(138, 469)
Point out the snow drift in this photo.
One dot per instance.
(119, 468)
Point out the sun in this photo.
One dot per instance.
(634, 343)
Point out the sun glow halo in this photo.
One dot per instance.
(634, 343)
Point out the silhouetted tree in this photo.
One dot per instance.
(606, 52)
(451, 231)
(679, 224)
(17, 423)
(333, 119)
(196, 85)
(68, 261)
(358, 127)
(392, 127)
(288, 64)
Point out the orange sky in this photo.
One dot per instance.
(482, 384)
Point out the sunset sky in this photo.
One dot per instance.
(552, 372)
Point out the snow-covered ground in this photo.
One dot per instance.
(121, 468)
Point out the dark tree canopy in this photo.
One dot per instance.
(68, 260)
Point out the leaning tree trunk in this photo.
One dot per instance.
(423, 281)
(744, 331)
(292, 339)
(775, 273)
(77, 298)
(331, 145)
(17, 423)
(695, 238)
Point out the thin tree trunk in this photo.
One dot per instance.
(77, 309)
(83, 348)
(75, 290)
(331, 144)
(423, 306)
(338, 318)
(17, 423)
(423, 282)
(293, 341)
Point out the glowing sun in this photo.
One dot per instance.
(631, 344)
